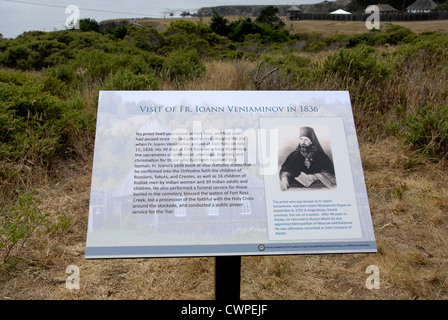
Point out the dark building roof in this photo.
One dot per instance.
(386, 8)
(422, 5)
(382, 8)
(293, 8)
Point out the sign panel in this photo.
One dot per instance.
(209, 173)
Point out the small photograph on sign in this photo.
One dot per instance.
(305, 159)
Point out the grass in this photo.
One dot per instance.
(407, 192)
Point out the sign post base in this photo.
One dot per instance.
(227, 278)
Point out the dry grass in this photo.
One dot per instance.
(224, 75)
(409, 209)
(356, 27)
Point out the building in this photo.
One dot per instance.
(381, 7)
(340, 11)
(293, 13)
(421, 6)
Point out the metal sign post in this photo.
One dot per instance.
(227, 278)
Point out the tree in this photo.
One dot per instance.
(440, 7)
(269, 16)
(219, 24)
(88, 25)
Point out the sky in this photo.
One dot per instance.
(18, 16)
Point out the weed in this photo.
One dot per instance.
(18, 223)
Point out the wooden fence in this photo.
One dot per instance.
(384, 16)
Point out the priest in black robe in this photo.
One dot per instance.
(308, 166)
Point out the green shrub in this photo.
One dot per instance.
(85, 40)
(65, 73)
(18, 223)
(34, 123)
(359, 63)
(88, 24)
(367, 38)
(289, 64)
(22, 221)
(17, 56)
(127, 80)
(392, 34)
(120, 32)
(430, 50)
(56, 87)
(146, 38)
(186, 35)
(34, 53)
(297, 72)
(427, 131)
(241, 28)
(219, 25)
(64, 37)
(395, 34)
(183, 64)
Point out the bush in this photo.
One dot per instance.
(392, 34)
(430, 49)
(21, 222)
(120, 32)
(93, 65)
(427, 131)
(88, 25)
(219, 24)
(186, 35)
(241, 28)
(293, 68)
(18, 223)
(359, 64)
(183, 64)
(127, 80)
(17, 56)
(34, 123)
(395, 34)
(146, 38)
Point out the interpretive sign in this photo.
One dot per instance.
(215, 173)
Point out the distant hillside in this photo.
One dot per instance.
(225, 11)
(253, 11)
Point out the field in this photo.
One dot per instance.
(357, 27)
(397, 89)
(323, 27)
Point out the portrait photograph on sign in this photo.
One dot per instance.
(210, 173)
(308, 165)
